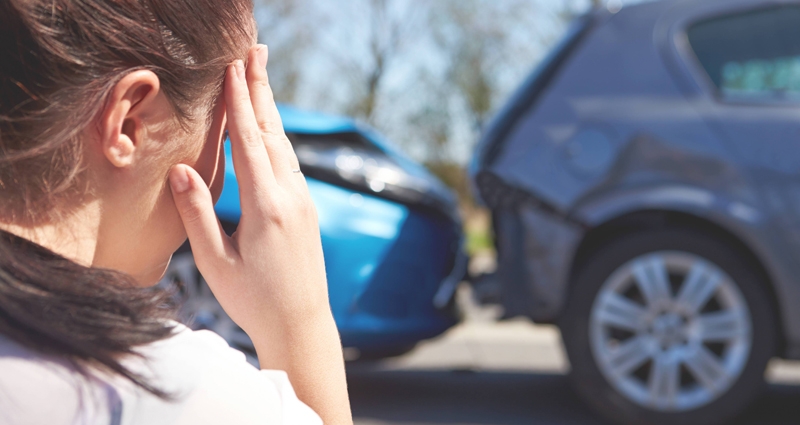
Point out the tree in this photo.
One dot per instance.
(282, 26)
(466, 39)
(390, 26)
(432, 121)
(484, 42)
(424, 73)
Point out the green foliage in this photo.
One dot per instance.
(454, 176)
(477, 227)
(479, 240)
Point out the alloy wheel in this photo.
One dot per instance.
(670, 331)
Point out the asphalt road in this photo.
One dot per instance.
(498, 398)
(508, 373)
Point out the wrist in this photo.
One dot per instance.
(286, 333)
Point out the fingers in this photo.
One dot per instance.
(210, 244)
(250, 160)
(280, 150)
(269, 120)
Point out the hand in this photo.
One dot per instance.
(271, 271)
(270, 275)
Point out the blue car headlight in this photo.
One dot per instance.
(350, 160)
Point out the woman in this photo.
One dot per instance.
(112, 116)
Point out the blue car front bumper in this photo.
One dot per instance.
(386, 263)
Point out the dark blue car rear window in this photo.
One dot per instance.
(754, 54)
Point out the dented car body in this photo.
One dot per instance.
(666, 115)
(627, 123)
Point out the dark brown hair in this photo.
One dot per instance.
(59, 59)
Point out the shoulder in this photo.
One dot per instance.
(212, 383)
(215, 384)
(37, 389)
(200, 343)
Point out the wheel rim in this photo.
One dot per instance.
(670, 330)
(201, 310)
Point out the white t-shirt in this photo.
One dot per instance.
(212, 384)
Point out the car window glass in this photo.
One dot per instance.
(753, 55)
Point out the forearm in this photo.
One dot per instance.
(310, 351)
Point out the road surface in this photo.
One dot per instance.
(508, 373)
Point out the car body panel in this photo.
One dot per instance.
(385, 261)
(762, 137)
(630, 123)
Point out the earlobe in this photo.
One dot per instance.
(120, 151)
(124, 115)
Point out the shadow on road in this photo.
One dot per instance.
(496, 398)
(464, 397)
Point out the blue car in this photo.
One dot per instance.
(391, 235)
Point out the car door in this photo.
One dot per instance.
(748, 62)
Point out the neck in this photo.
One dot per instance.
(73, 237)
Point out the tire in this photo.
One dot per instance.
(609, 378)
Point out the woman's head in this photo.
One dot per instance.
(98, 99)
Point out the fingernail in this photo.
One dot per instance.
(240, 69)
(263, 55)
(179, 180)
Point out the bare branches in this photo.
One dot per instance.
(428, 74)
(284, 26)
(478, 38)
(391, 25)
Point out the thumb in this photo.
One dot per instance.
(196, 208)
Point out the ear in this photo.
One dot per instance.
(126, 109)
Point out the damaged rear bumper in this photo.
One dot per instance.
(535, 247)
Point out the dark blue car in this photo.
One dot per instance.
(391, 234)
(645, 190)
